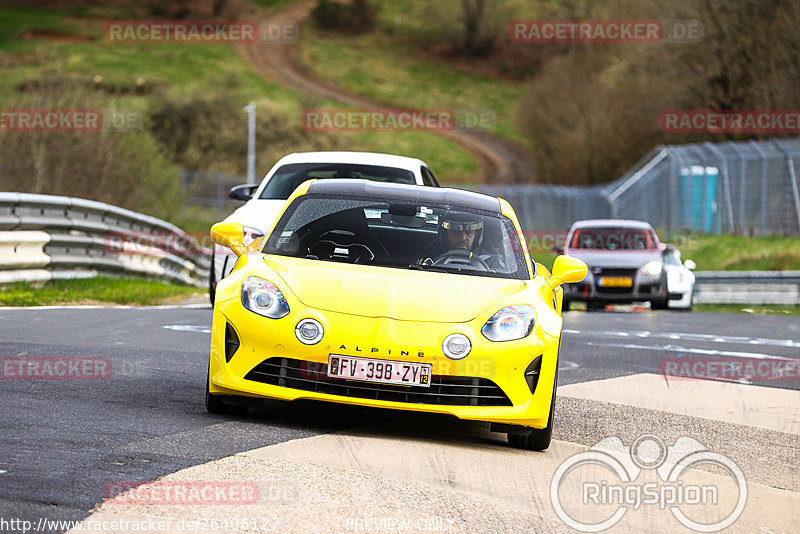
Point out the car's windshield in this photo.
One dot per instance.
(613, 239)
(399, 234)
(288, 177)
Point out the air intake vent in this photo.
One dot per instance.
(444, 390)
(231, 342)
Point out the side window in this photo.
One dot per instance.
(428, 178)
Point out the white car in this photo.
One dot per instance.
(680, 279)
(264, 201)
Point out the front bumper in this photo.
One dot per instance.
(488, 385)
(643, 288)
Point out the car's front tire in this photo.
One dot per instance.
(216, 404)
(659, 304)
(537, 439)
(595, 306)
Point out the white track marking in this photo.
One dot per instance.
(710, 338)
(188, 328)
(707, 352)
(97, 307)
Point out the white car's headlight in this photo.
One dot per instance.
(262, 297)
(512, 322)
(652, 267)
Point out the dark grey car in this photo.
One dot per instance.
(625, 261)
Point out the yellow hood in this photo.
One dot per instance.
(406, 295)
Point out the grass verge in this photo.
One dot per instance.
(740, 253)
(758, 309)
(395, 64)
(36, 41)
(102, 289)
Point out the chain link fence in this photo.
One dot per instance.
(748, 187)
(210, 190)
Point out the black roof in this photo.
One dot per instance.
(411, 193)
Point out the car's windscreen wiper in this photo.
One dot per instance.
(451, 269)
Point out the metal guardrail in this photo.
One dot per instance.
(44, 237)
(747, 287)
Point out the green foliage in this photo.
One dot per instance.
(105, 289)
(208, 131)
(740, 253)
(124, 168)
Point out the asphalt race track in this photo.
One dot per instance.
(64, 441)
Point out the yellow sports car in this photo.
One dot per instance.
(392, 296)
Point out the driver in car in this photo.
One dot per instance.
(460, 239)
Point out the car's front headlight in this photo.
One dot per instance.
(262, 297)
(652, 267)
(512, 322)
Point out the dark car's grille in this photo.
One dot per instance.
(444, 390)
(604, 271)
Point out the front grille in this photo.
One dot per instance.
(444, 390)
(615, 290)
(610, 271)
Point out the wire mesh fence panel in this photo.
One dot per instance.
(747, 187)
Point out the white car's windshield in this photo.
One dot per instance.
(288, 177)
(399, 234)
(613, 239)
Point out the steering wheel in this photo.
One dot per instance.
(459, 257)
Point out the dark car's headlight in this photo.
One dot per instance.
(512, 322)
(262, 297)
(652, 267)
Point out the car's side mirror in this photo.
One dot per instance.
(567, 270)
(242, 192)
(689, 264)
(229, 234)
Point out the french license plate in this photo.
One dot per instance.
(615, 281)
(384, 371)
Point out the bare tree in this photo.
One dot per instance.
(479, 35)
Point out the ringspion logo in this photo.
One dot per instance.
(594, 490)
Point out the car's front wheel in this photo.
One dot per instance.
(216, 404)
(537, 439)
(659, 304)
